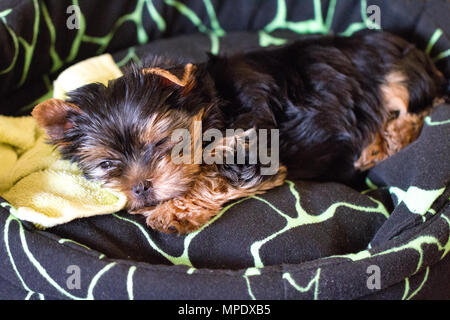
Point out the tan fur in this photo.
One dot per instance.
(171, 179)
(51, 115)
(210, 191)
(188, 69)
(395, 93)
(161, 126)
(395, 135)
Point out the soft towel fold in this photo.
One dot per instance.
(45, 189)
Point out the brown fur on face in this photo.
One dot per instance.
(209, 193)
(166, 178)
(210, 190)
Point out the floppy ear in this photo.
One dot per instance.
(169, 78)
(51, 115)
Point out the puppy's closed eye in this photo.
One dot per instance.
(161, 142)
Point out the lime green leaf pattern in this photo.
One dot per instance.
(15, 42)
(57, 62)
(409, 296)
(30, 46)
(430, 122)
(416, 199)
(314, 283)
(415, 244)
(214, 33)
(184, 257)
(304, 218)
(131, 56)
(42, 271)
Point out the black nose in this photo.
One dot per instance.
(142, 189)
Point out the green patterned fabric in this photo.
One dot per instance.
(303, 240)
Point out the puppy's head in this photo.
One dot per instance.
(122, 134)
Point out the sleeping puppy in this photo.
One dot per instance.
(323, 109)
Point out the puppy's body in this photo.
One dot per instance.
(329, 97)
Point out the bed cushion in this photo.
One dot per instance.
(304, 240)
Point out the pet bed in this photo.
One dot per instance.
(304, 240)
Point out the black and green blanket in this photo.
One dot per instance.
(303, 240)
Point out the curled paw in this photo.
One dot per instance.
(172, 217)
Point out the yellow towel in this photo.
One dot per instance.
(45, 189)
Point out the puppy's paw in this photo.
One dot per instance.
(175, 216)
(372, 154)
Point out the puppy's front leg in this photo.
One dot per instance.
(210, 191)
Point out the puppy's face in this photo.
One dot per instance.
(122, 134)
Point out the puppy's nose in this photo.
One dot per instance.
(142, 189)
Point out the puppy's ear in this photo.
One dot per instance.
(168, 78)
(51, 115)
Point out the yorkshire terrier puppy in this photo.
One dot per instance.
(340, 105)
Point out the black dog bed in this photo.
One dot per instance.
(304, 240)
